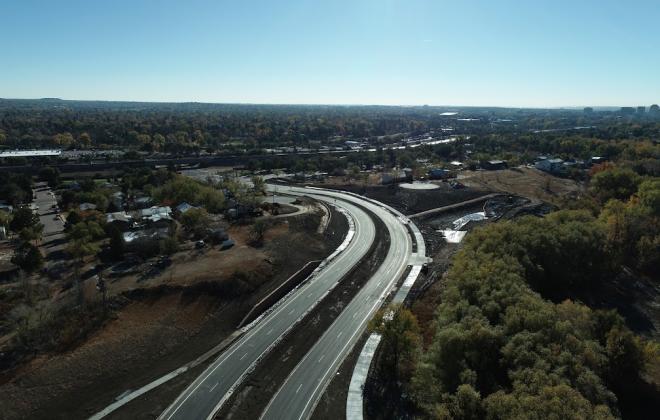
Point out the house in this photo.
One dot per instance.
(6, 207)
(595, 160)
(122, 220)
(142, 202)
(552, 166)
(143, 238)
(439, 173)
(183, 207)
(493, 165)
(157, 216)
(117, 200)
(87, 206)
(395, 176)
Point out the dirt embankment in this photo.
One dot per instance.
(525, 182)
(164, 322)
(409, 201)
(253, 395)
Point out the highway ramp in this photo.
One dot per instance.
(216, 384)
(298, 396)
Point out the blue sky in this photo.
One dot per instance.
(501, 53)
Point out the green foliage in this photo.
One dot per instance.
(116, 243)
(23, 218)
(15, 189)
(614, 183)
(501, 351)
(195, 220)
(400, 341)
(50, 175)
(28, 257)
(183, 189)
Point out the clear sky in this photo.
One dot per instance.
(438, 52)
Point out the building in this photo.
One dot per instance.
(654, 110)
(439, 173)
(641, 110)
(595, 160)
(142, 202)
(117, 200)
(395, 176)
(552, 166)
(87, 206)
(157, 216)
(588, 110)
(122, 220)
(627, 110)
(145, 238)
(493, 165)
(183, 208)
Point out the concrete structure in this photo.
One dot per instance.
(30, 153)
(302, 389)
(552, 166)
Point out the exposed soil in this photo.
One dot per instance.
(525, 182)
(256, 391)
(156, 332)
(414, 201)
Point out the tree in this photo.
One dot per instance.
(116, 245)
(5, 218)
(28, 257)
(259, 185)
(195, 220)
(400, 340)
(81, 244)
(63, 139)
(614, 183)
(258, 230)
(23, 218)
(50, 175)
(32, 233)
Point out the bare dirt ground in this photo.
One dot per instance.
(251, 398)
(526, 182)
(410, 201)
(161, 324)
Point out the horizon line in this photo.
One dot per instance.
(573, 107)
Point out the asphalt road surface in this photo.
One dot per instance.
(297, 397)
(211, 389)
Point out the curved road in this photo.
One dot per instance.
(216, 384)
(299, 394)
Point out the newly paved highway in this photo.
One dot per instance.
(211, 389)
(297, 397)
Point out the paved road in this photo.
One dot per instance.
(297, 397)
(211, 389)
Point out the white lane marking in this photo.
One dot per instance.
(298, 390)
(243, 356)
(340, 333)
(213, 387)
(321, 358)
(269, 331)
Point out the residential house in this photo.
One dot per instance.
(122, 220)
(551, 166)
(87, 206)
(493, 165)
